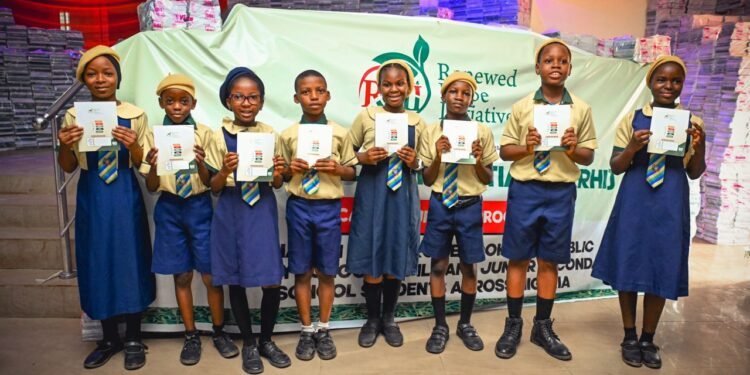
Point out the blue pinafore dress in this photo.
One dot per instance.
(245, 246)
(384, 235)
(113, 247)
(647, 240)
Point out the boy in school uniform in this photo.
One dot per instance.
(455, 210)
(313, 213)
(541, 198)
(182, 218)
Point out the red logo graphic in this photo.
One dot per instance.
(493, 215)
(417, 101)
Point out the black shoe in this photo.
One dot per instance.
(509, 340)
(251, 362)
(305, 346)
(369, 332)
(226, 347)
(392, 334)
(135, 355)
(103, 352)
(191, 350)
(469, 336)
(438, 339)
(650, 353)
(275, 356)
(631, 353)
(324, 344)
(543, 335)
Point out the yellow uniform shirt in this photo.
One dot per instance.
(468, 182)
(341, 151)
(625, 131)
(362, 134)
(138, 122)
(218, 146)
(168, 183)
(562, 169)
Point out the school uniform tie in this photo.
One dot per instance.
(541, 161)
(250, 192)
(395, 170)
(655, 171)
(450, 185)
(184, 187)
(107, 165)
(311, 182)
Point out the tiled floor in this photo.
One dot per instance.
(706, 333)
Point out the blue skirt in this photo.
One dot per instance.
(113, 248)
(384, 235)
(245, 246)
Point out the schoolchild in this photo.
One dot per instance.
(455, 210)
(182, 220)
(647, 240)
(541, 198)
(313, 214)
(245, 250)
(113, 249)
(384, 236)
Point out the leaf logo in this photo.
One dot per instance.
(420, 97)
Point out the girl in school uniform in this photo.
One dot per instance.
(645, 246)
(245, 249)
(113, 249)
(384, 236)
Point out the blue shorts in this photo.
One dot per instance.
(463, 221)
(539, 221)
(183, 233)
(314, 232)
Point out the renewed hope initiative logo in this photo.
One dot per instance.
(417, 101)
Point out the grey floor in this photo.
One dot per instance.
(706, 333)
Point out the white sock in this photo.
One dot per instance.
(308, 328)
(322, 325)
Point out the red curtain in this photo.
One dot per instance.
(100, 21)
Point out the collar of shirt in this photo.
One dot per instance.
(322, 120)
(648, 109)
(188, 121)
(228, 124)
(566, 98)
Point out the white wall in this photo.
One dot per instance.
(600, 18)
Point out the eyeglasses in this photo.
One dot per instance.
(239, 98)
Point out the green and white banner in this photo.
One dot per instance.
(347, 49)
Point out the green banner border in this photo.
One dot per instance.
(350, 312)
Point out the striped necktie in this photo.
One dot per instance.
(184, 187)
(655, 171)
(395, 166)
(450, 185)
(250, 192)
(541, 161)
(107, 165)
(311, 182)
